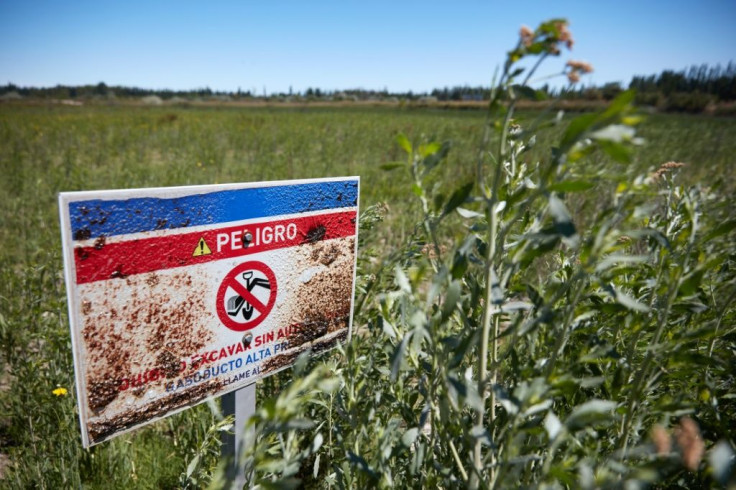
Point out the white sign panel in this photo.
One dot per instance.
(180, 294)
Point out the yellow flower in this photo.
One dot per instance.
(59, 391)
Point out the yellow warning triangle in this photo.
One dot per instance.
(201, 248)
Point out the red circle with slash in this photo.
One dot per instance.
(234, 307)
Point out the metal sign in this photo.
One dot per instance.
(180, 294)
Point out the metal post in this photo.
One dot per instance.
(242, 404)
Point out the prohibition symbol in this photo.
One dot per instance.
(246, 296)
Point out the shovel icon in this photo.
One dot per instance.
(237, 303)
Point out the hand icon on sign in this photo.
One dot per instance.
(237, 303)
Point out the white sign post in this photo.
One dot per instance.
(177, 295)
(240, 404)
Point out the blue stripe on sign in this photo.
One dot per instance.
(97, 217)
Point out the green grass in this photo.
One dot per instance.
(48, 149)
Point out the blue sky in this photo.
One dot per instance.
(400, 46)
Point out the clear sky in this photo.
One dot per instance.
(401, 46)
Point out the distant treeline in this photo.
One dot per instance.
(690, 90)
(693, 90)
(716, 81)
(102, 90)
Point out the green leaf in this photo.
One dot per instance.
(581, 124)
(552, 425)
(317, 442)
(404, 143)
(630, 302)
(398, 356)
(410, 436)
(558, 210)
(510, 404)
(315, 470)
(497, 293)
(401, 280)
(429, 149)
(298, 424)
(589, 413)
(721, 229)
(391, 165)
(580, 150)
(433, 159)
(451, 299)
(192, 465)
(563, 221)
(362, 464)
(511, 306)
(481, 433)
(536, 48)
(571, 186)
(388, 329)
(460, 260)
(691, 282)
(617, 151)
(467, 213)
(459, 265)
(616, 259)
(289, 483)
(458, 197)
(465, 390)
(537, 408)
(566, 476)
(300, 365)
(723, 462)
(617, 133)
(576, 128)
(516, 72)
(690, 306)
(657, 235)
(626, 300)
(622, 102)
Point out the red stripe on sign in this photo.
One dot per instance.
(103, 261)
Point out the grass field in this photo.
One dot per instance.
(48, 149)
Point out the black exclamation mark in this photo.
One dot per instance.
(201, 246)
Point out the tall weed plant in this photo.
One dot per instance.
(555, 322)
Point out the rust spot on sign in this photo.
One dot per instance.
(326, 255)
(151, 331)
(315, 234)
(102, 429)
(100, 242)
(168, 364)
(323, 315)
(118, 273)
(82, 253)
(82, 234)
(287, 359)
(102, 393)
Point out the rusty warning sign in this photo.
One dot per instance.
(177, 295)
